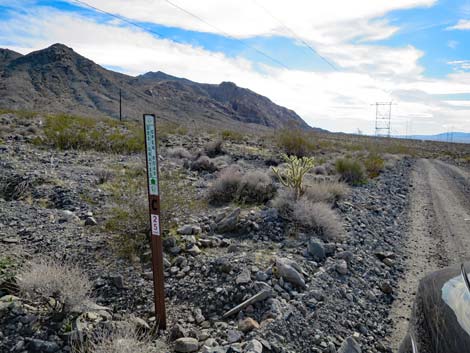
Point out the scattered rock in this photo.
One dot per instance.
(244, 277)
(186, 344)
(316, 249)
(288, 270)
(342, 267)
(253, 346)
(234, 336)
(248, 324)
(90, 221)
(229, 223)
(350, 345)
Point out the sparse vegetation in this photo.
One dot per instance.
(179, 152)
(214, 148)
(128, 219)
(284, 201)
(374, 164)
(255, 187)
(81, 133)
(203, 163)
(250, 188)
(224, 188)
(294, 141)
(294, 174)
(351, 171)
(325, 191)
(318, 217)
(45, 279)
(124, 338)
(231, 135)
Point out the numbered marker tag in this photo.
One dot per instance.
(155, 224)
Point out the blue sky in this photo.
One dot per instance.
(414, 52)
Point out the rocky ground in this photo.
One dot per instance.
(238, 278)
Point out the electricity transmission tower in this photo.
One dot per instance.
(383, 115)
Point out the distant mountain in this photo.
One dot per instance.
(460, 137)
(57, 79)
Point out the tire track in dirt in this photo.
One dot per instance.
(439, 231)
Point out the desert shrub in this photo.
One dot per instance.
(318, 217)
(203, 163)
(284, 201)
(107, 135)
(41, 280)
(231, 135)
(225, 187)
(222, 162)
(129, 220)
(325, 191)
(390, 160)
(166, 128)
(294, 142)
(104, 176)
(179, 152)
(255, 187)
(351, 171)
(320, 170)
(294, 174)
(123, 337)
(374, 164)
(214, 148)
(16, 187)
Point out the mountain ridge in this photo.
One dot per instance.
(59, 80)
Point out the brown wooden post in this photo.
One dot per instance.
(153, 189)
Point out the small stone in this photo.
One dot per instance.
(194, 250)
(234, 336)
(254, 346)
(342, 267)
(117, 281)
(386, 288)
(186, 344)
(316, 249)
(176, 332)
(350, 345)
(90, 221)
(139, 323)
(262, 276)
(196, 230)
(230, 222)
(37, 345)
(288, 270)
(244, 277)
(248, 324)
(187, 229)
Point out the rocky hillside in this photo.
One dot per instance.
(57, 79)
(247, 268)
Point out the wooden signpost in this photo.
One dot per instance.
(154, 211)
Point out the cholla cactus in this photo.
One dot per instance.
(294, 174)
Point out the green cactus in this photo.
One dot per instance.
(295, 172)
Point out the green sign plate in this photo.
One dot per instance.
(151, 154)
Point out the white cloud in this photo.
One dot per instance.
(339, 101)
(461, 25)
(452, 44)
(460, 65)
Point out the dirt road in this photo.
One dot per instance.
(439, 232)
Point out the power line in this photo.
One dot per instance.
(296, 36)
(121, 18)
(227, 34)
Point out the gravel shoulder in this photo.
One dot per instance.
(439, 231)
